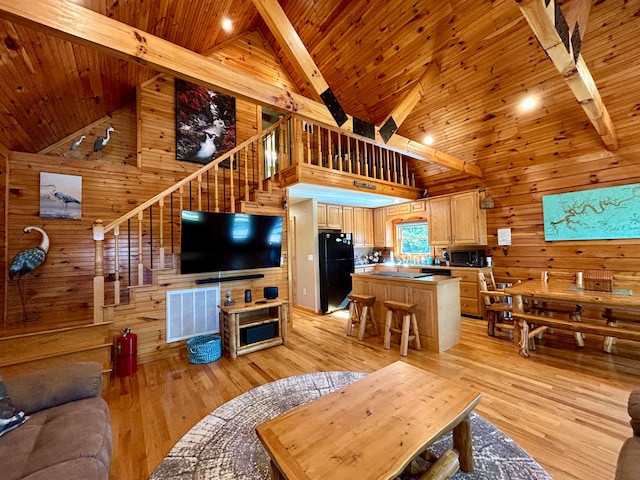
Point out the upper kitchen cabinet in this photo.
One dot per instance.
(380, 228)
(329, 216)
(457, 220)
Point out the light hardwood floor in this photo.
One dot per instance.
(566, 406)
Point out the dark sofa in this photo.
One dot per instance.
(628, 467)
(68, 432)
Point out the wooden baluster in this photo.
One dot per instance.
(140, 248)
(401, 174)
(261, 161)
(395, 167)
(380, 167)
(358, 159)
(308, 133)
(215, 188)
(387, 173)
(365, 156)
(319, 144)
(232, 197)
(329, 151)
(116, 266)
(413, 180)
(348, 157)
(98, 276)
(297, 147)
(340, 161)
(246, 174)
(281, 161)
(161, 252)
(199, 193)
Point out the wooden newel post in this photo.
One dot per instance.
(98, 279)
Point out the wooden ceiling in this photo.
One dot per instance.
(371, 54)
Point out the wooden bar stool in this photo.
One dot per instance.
(361, 312)
(408, 330)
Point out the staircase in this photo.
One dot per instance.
(137, 254)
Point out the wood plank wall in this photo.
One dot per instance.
(517, 188)
(136, 165)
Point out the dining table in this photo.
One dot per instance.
(566, 291)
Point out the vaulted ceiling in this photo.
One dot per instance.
(483, 55)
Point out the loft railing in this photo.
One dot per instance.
(151, 229)
(339, 151)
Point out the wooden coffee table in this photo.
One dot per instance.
(371, 428)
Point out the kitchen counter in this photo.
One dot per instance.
(437, 298)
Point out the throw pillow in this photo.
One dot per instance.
(10, 416)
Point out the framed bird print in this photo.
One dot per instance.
(205, 123)
(60, 196)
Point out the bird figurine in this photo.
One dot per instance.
(62, 197)
(28, 260)
(76, 144)
(100, 142)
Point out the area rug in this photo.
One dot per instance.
(224, 445)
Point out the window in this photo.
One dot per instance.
(413, 238)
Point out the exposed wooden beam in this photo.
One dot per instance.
(76, 24)
(577, 13)
(400, 113)
(552, 30)
(291, 44)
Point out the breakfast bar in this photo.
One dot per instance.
(437, 298)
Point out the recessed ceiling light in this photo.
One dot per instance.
(227, 25)
(529, 103)
(428, 140)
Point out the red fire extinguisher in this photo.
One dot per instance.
(126, 353)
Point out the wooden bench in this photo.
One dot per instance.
(542, 323)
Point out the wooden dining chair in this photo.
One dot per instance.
(550, 309)
(497, 307)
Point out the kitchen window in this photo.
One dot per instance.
(413, 238)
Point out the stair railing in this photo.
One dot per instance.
(235, 175)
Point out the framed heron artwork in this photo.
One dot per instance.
(60, 196)
(205, 123)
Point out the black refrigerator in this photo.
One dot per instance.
(336, 267)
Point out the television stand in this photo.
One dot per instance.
(254, 327)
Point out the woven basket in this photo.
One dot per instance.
(204, 349)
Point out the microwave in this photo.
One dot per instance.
(468, 258)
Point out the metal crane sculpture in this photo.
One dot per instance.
(100, 142)
(62, 197)
(28, 260)
(76, 144)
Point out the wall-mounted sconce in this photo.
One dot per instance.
(285, 203)
(504, 239)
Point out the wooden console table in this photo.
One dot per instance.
(371, 428)
(251, 327)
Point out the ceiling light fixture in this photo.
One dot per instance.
(529, 103)
(428, 140)
(227, 25)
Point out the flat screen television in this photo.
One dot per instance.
(216, 242)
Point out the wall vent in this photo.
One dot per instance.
(192, 312)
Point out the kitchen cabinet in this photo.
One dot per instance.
(369, 240)
(399, 209)
(470, 297)
(380, 228)
(358, 227)
(457, 220)
(347, 219)
(334, 216)
(329, 216)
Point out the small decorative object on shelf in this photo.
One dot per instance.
(228, 302)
